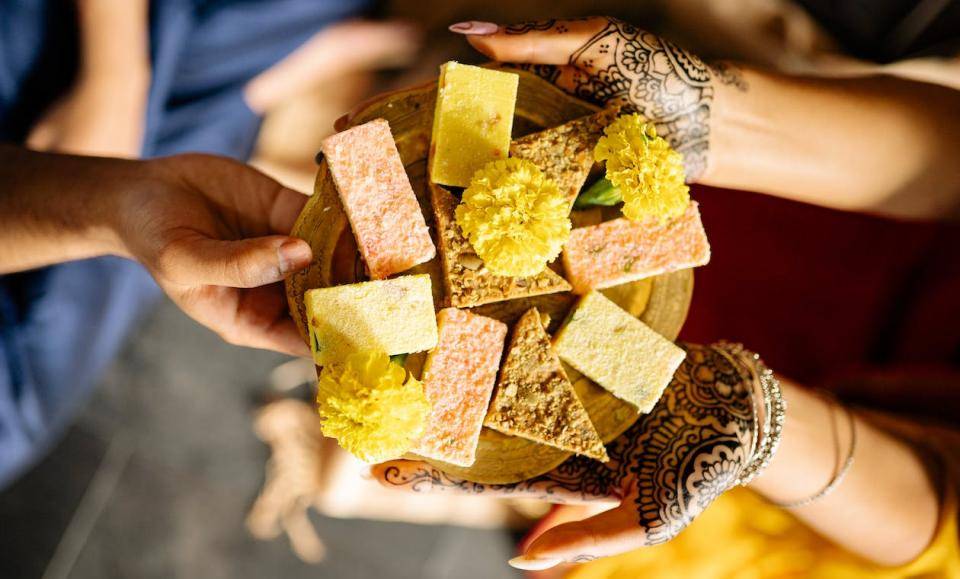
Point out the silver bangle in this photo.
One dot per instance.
(844, 467)
(768, 432)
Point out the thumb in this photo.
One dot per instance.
(609, 533)
(246, 263)
(544, 42)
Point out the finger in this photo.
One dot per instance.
(286, 209)
(263, 321)
(420, 477)
(609, 533)
(544, 42)
(565, 77)
(265, 315)
(254, 318)
(196, 260)
(283, 337)
(255, 203)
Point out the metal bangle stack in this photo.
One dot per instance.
(770, 429)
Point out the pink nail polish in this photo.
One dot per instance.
(474, 28)
(526, 563)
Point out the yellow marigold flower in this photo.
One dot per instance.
(371, 407)
(516, 219)
(642, 165)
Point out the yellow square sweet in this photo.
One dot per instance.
(395, 316)
(472, 121)
(618, 351)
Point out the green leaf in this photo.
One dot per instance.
(601, 193)
(316, 342)
(399, 359)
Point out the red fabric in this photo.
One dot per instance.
(822, 293)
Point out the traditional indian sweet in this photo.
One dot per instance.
(376, 194)
(372, 406)
(617, 351)
(498, 244)
(472, 121)
(535, 400)
(647, 171)
(467, 280)
(515, 218)
(632, 297)
(394, 316)
(554, 306)
(621, 250)
(458, 377)
(565, 153)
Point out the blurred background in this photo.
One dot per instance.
(161, 474)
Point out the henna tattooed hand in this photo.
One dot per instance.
(608, 61)
(663, 472)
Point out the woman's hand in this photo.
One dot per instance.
(824, 141)
(612, 62)
(215, 235)
(663, 472)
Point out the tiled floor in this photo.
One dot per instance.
(156, 477)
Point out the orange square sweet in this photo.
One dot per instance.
(619, 251)
(458, 378)
(387, 223)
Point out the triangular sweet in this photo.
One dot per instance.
(555, 306)
(565, 153)
(466, 280)
(535, 400)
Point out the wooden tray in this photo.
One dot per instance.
(500, 458)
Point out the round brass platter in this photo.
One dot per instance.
(500, 458)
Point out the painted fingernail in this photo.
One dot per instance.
(294, 255)
(474, 28)
(527, 563)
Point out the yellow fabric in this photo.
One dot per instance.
(743, 537)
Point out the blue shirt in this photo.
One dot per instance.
(61, 326)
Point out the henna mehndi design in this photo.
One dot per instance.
(692, 446)
(671, 464)
(524, 27)
(624, 65)
(729, 74)
(557, 26)
(640, 71)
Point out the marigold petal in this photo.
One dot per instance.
(648, 172)
(371, 406)
(516, 219)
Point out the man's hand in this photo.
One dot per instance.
(213, 232)
(215, 235)
(608, 61)
(663, 472)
